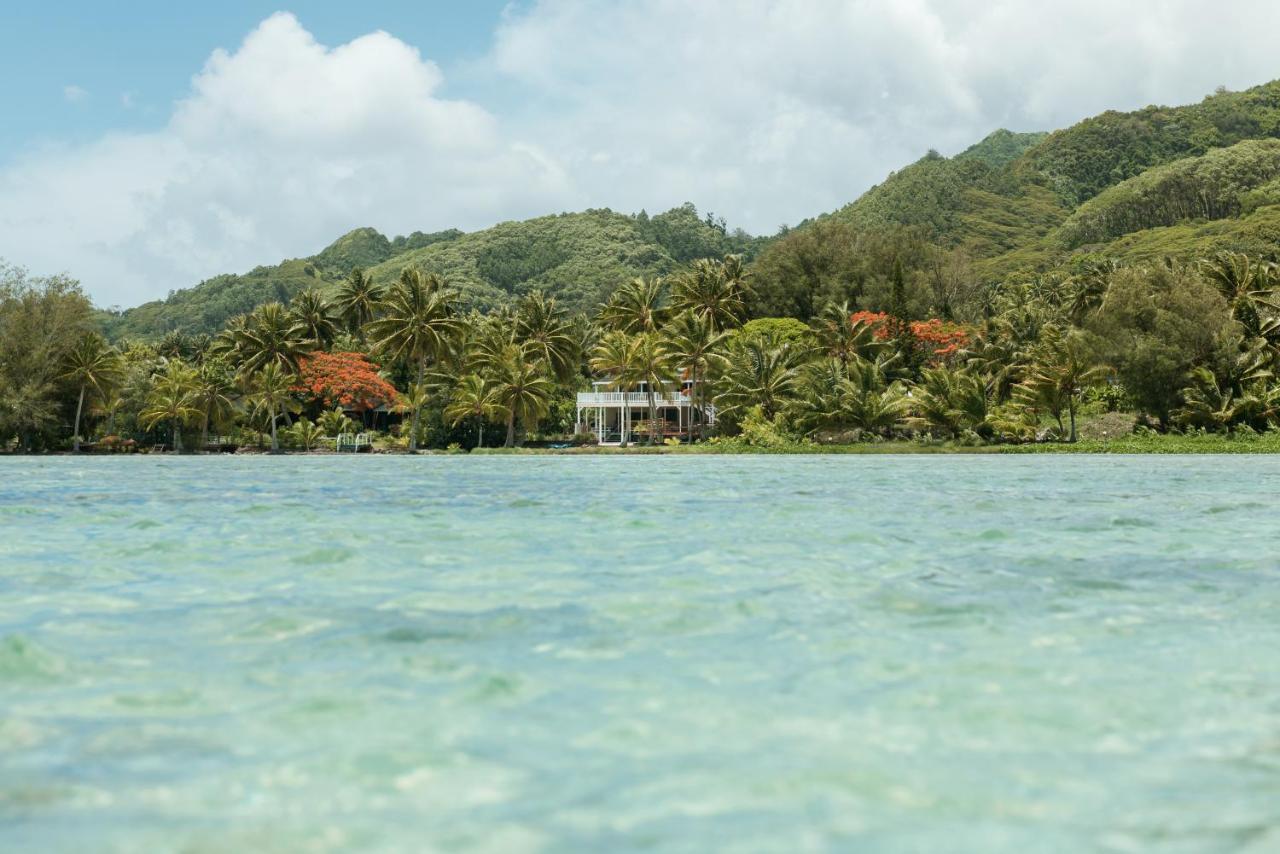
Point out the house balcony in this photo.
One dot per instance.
(637, 399)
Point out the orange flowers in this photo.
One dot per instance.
(348, 380)
(941, 338)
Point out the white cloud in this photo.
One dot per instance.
(280, 147)
(765, 111)
(74, 94)
(772, 111)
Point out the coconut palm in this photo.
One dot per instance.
(214, 395)
(334, 422)
(357, 300)
(475, 398)
(92, 365)
(649, 363)
(640, 305)
(418, 324)
(314, 318)
(547, 333)
(756, 373)
(611, 359)
(1246, 284)
(713, 290)
(692, 343)
(171, 400)
(1061, 368)
(522, 390)
(271, 391)
(843, 338)
(270, 335)
(306, 435)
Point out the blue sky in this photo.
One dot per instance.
(149, 145)
(134, 59)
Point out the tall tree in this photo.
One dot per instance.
(474, 397)
(692, 343)
(522, 390)
(714, 290)
(172, 400)
(640, 305)
(271, 335)
(214, 395)
(94, 367)
(272, 392)
(418, 324)
(547, 332)
(358, 299)
(314, 318)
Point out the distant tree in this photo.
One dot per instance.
(418, 324)
(93, 366)
(357, 300)
(172, 399)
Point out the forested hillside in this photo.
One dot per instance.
(1160, 182)
(579, 258)
(1177, 182)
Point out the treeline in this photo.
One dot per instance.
(1176, 346)
(578, 258)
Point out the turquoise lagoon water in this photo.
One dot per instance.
(610, 654)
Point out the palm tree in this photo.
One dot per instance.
(214, 395)
(314, 318)
(475, 398)
(1060, 369)
(172, 399)
(358, 299)
(1245, 283)
(547, 333)
(93, 365)
(611, 358)
(952, 400)
(648, 363)
(522, 390)
(272, 392)
(637, 306)
(271, 335)
(756, 374)
(692, 343)
(305, 434)
(841, 337)
(418, 324)
(713, 290)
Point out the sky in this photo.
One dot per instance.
(149, 145)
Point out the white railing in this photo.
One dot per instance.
(630, 398)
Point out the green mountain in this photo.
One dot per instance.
(1156, 182)
(1178, 182)
(577, 257)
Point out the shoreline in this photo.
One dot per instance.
(1267, 443)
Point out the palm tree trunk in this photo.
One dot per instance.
(479, 431)
(275, 442)
(511, 429)
(204, 431)
(177, 436)
(417, 410)
(1071, 408)
(653, 417)
(75, 438)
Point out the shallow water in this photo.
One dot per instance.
(605, 654)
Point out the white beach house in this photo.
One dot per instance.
(620, 416)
